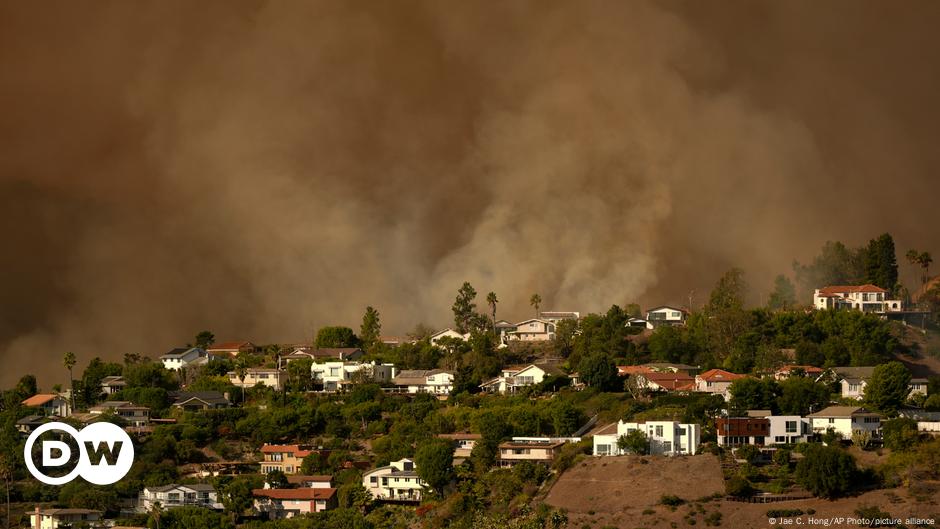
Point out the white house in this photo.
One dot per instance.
(112, 384)
(557, 316)
(533, 330)
(854, 380)
(503, 330)
(664, 437)
(665, 315)
(335, 375)
(463, 442)
(64, 518)
(866, 298)
(182, 356)
(789, 429)
(173, 495)
(845, 420)
(448, 333)
(436, 381)
(514, 378)
(51, 404)
(136, 416)
(716, 381)
(398, 481)
(270, 377)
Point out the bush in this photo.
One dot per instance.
(739, 487)
(784, 513)
(671, 500)
(713, 519)
(782, 457)
(826, 471)
(749, 453)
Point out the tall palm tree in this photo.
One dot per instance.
(492, 301)
(155, 513)
(925, 261)
(536, 301)
(69, 362)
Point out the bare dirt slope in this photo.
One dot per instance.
(924, 357)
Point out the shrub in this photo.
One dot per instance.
(826, 471)
(739, 487)
(671, 500)
(713, 519)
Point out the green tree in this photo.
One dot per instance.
(204, 339)
(726, 319)
(194, 517)
(68, 360)
(899, 434)
(434, 461)
(312, 464)
(464, 308)
(881, 266)
(634, 442)
(277, 479)
(826, 471)
(536, 302)
(336, 336)
(371, 328)
(801, 396)
(6, 475)
(922, 259)
(783, 296)
(754, 394)
(835, 265)
(598, 371)
(888, 387)
(566, 418)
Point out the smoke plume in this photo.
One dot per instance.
(261, 169)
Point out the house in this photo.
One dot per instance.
(664, 437)
(515, 378)
(269, 377)
(558, 316)
(231, 348)
(447, 333)
(173, 495)
(626, 371)
(845, 420)
(336, 375)
(639, 323)
(287, 503)
(27, 424)
(787, 371)
(112, 384)
(666, 315)
(918, 386)
(853, 380)
(50, 404)
(716, 381)
(533, 330)
(324, 353)
(737, 431)
(463, 442)
(865, 298)
(198, 400)
(310, 481)
(181, 357)
(666, 367)
(399, 481)
(537, 451)
(135, 416)
(788, 429)
(503, 330)
(64, 518)
(286, 458)
(435, 381)
(668, 382)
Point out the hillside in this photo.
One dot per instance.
(923, 350)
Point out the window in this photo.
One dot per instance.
(659, 431)
(374, 479)
(780, 439)
(603, 450)
(667, 446)
(831, 420)
(791, 426)
(680, 431)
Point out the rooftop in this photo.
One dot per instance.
(296, 494)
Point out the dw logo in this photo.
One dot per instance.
(105, 453)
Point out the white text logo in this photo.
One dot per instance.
(105, 453)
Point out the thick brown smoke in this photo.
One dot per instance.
(264, 168)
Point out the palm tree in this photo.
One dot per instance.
(241, 372)
(69, 362)
(155, 513)
(922, 259)
(536, 301)
(492, 301)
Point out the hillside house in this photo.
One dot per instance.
(27, 424)
(789, 429)
(667, 382)
(268, 377)
(135, 416)
(664, 437)
(865, 298)
(181, 357)
(230, 349)
(463, 442)
(716, 381)
(312, 481)
(198, 400)
(738, 431)
(278, 504)
(345, 354)
(447, 333)
(665, 315)
(845, 420)
(787, 371)
(533, 330)
(541, 451)
(853, 380)
(173, 495)
(337, 375)
(399, 481)
(286, 458)
(515, 378)
(64, 518)
(434, 381)
(503, 330)
(112, 384)
(556, 316)
(49, 404)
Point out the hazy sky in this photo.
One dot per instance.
(261, 169)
